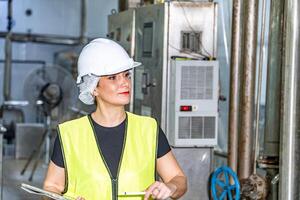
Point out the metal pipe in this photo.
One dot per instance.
(258, 97)
(83, 27)
(8, 55)
(7, 69)
(289, 185)
(273, 93)
(248, 88)
(47, 39)
(234, 85)
(26, 61)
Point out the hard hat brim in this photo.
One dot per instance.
(134, 64)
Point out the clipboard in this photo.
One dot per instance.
(37, 191)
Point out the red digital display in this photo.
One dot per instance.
(185, 108)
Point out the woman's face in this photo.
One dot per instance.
(114, 89)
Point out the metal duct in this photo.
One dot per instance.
(234, 86)
(247, 88)
(290, 137)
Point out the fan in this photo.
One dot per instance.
(52, 87)
(53, 90)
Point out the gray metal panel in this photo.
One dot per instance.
(28, 136)
(122, 26)
(150, 51)
(171, 116)
(197, 166)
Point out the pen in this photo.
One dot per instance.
(131, 193)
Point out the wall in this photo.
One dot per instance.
(58, 17)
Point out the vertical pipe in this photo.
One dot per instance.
(258, 97)
(83, 34)
(290, 139)
(8, 55)
(274, 89)
(247, 88)
(234, 85)
(272, 126)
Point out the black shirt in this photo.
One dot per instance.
(110, 140)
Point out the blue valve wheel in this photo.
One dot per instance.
(221, 187)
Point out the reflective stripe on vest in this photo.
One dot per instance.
(87, 174)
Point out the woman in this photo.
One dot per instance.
(111, 154)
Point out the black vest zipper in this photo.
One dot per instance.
(114, 189)
(114, 181)
(123, 149)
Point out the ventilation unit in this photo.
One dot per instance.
(193, 103)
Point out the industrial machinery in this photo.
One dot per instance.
(164, 34)
(193, 103)
(172, 29)
(121, 28)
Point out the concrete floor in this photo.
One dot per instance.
(12, 179)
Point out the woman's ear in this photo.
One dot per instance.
(95, 92)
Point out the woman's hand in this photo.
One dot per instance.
(160, 190)
(80, 198)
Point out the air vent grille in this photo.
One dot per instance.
(196, 82)
(196, 127)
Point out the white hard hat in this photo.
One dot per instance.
(103, 57)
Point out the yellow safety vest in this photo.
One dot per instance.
(87, 174)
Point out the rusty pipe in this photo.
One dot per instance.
(247, 89)
(234, 85)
